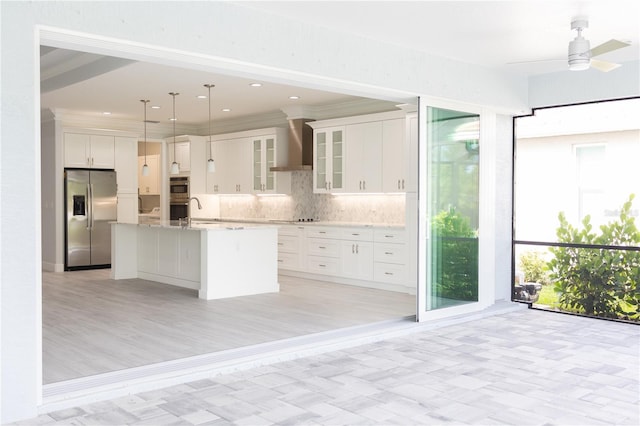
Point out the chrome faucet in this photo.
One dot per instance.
(139, 204)
(197, 201)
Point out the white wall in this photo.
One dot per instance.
(225, 37)
(564, 88)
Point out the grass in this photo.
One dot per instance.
(548, 297)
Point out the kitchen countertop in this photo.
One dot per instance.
(201, 225)
(300, 223)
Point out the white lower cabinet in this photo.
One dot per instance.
(170, 253)
(390, 256)
(356, 260)
(290, 248)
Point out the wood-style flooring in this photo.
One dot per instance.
(92, 324)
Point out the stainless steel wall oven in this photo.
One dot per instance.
(178, 197)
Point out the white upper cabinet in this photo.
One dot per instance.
(363, 148)
(270, 151)
(233, 167)
(361, 154)
(328, 159)
(89, 151)
(182, 154)
(244, 160)
(394, 156)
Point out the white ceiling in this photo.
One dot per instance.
(490, 34)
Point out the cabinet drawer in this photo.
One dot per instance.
(390, 253)
(289, 261)
(323, 247)
(322, 232)
(357, 234)
(322, 265)
(389, 236)
(290, 230)
(288, 244)
(389, 273)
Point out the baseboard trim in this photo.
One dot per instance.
(52, 267)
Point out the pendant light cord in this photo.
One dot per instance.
(209, 86)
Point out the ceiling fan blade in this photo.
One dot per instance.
(603, 66)
(608, 46)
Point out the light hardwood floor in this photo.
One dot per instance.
(92, 324)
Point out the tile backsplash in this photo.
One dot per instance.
(304, 204)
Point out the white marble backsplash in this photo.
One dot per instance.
(304, 204)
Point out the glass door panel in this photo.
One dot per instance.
(338, 159)
(257, 165)
(271, 162)
(452, 208)
(321, 160)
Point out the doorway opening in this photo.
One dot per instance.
(72, 310)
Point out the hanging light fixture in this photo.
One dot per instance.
(145, 168)
(211, 165)
(175, 167)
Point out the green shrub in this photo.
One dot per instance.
(602, 282)
(534, 268)
(455, 274)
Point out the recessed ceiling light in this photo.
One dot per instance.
(155, 107)
(295, 98)
(256, 85)
(106, 113)
(201, 96)
(226, 109)
(173, 119)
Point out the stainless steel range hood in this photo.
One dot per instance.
(300, 156)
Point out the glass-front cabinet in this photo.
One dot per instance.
(329, 160)
(264, 158)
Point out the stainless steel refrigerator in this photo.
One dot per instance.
(91, 203)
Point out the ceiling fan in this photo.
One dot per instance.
(580, 54)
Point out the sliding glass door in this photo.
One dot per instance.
(452, 208)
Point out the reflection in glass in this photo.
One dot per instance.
(453, 207)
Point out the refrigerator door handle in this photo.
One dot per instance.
(89, 206)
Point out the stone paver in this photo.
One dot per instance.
(526, 368)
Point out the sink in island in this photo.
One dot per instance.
(219, 260)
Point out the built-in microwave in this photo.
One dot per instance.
(178, 189)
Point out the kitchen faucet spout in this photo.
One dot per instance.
(197, 201)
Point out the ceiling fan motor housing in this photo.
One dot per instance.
(579, 48)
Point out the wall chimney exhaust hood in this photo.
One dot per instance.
(300, 156)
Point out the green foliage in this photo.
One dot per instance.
(455, 269)
(534, 268)
(599, 282)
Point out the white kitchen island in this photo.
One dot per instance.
(219, 260)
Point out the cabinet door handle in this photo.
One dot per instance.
(322, 265)
(388, 236)
(322, 232)
(329, 185)
(388, 273)
(356, 248)
(88, 161)
(388, 252)
(361, 185)
(279, 261)
(322, 247)
(364, 185)
(355, 235)
(353, 249)
(402, 183)
(398, 183)
(280, 244)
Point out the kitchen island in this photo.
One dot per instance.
(219, 260)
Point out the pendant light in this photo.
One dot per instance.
(211, 165)
(145, 168)
(175, 167)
